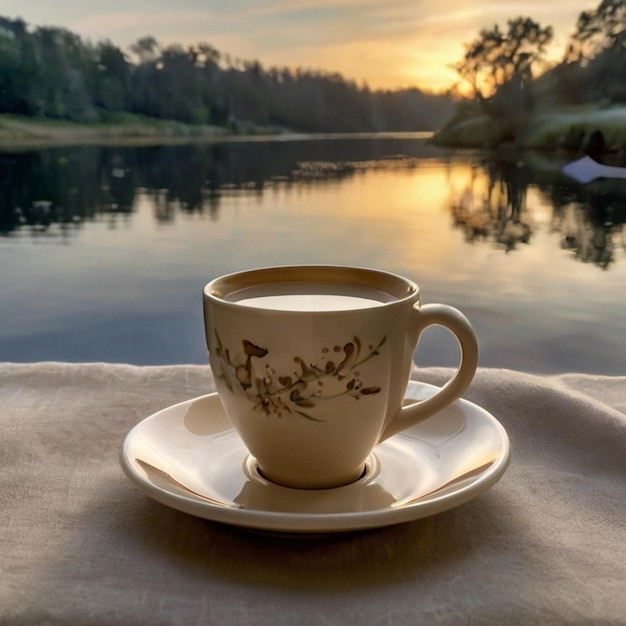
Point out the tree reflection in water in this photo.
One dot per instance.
(589, 218)
(492, 207)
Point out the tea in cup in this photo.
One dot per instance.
(312, 364)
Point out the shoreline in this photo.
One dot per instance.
(22, 132)
(567, 129)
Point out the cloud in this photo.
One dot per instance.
(122, 27)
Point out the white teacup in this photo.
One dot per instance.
(312, 364)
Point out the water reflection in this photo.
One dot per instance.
(68, 186)
(492, 207)
(591, 220)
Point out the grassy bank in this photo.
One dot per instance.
(112, 128)
(569, 129)
(566, 128)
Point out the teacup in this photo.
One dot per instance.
(312, 364)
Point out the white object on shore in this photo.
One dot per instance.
(586, 169)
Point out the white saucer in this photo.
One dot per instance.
(188, 457)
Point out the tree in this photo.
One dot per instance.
(146, 49)
(598, 31)
(11, 93)
(111, 78)
(65, 64)
(498, 66)
(592, 69)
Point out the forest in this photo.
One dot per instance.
(50, 72)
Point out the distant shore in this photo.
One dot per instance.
(23, 132)
(17, 130)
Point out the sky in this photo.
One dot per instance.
(388, 44)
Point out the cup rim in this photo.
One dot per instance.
(400, 288)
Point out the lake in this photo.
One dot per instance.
(105, 249)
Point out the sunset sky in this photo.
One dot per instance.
(386, 43)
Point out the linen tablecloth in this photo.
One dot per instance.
(79, 544)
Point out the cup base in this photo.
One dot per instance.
(253, 470)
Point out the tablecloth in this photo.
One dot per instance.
(79, 544)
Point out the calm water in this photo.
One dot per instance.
(104, 250)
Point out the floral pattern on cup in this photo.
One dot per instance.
(335, 373)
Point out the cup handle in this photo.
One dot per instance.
(458, 325)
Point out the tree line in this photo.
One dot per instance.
(52, 72)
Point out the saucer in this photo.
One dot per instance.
(188, 457)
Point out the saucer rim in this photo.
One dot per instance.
(322, 523)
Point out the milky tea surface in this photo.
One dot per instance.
(310, 297)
